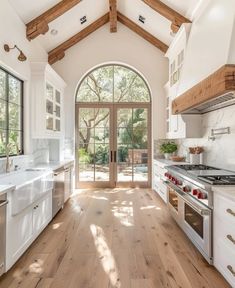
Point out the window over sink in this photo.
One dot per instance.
(11, 114)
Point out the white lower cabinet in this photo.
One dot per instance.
(24, 228)
(224, 237)
(158, 179)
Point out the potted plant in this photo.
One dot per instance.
(168, 149)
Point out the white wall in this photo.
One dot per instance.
(209, 43)
(13, 31)
(124, 47)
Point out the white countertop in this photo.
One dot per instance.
(226, 191)
(6, 188)
(169, 162)
(54, 165)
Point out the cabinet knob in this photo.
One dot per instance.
(230, 268)
(230, 211)
(230, 237)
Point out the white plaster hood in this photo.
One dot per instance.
(210, 44)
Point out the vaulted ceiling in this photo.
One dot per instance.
(64, 22)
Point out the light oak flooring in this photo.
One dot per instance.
(119, 238)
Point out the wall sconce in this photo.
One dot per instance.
(21, 56)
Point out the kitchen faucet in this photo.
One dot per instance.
(9, 162)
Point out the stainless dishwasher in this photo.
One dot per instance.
(3, 203)
(58, 191)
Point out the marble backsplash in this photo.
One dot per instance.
(219, 153)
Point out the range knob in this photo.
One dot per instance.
(166, 175)
(201, 195)
(186, 189)
(195, 192)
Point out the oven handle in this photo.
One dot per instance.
(197, 208)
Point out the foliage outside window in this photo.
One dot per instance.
(111, 84)
(11, 109)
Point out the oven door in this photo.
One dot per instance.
(193, 217)
(175, 205)
(198, 226)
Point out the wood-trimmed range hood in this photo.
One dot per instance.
(214, 92)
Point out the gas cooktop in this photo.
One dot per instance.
(195, 167)
(219, 179)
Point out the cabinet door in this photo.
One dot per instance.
(42, 213)
(19, 236)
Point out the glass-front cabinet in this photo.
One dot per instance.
(47, 102)
(53, 108)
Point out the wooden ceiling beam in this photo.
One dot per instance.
(176, 18)
(113, 15)
(39, 25)
(141, 32)
(59, 52)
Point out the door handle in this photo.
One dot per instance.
(111, 156)
(115, 156)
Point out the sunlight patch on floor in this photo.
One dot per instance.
(150, 207)
(105, 255)
(124, 213)
(57, 225)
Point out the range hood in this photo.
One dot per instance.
(214, 92)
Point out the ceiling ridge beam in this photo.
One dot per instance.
(59, 52)
(39, 25)
(141, 32)
(113, 15)
(175, 17)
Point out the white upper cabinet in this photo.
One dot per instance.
(47, 89)
(179, 126)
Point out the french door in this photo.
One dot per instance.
(113, 145)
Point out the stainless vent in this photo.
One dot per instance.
(219, 102)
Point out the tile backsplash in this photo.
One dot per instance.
(221, 152)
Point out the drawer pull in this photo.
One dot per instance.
(231, 212)
(231, 238)
(230, 268)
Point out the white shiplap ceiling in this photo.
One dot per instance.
(69, 23)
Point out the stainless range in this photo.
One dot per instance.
(190, 201)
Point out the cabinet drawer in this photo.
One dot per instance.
(224, 261)
(224, 232)
(224, 209)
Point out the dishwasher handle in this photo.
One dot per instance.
(3, 203)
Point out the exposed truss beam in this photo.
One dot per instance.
(59, 52)
(39, 25)
(143, 33)
(113, 15)
(176, 18)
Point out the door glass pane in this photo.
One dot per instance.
(57, 111)
(86, 162)
(49, 92)
(140, 172)
(124, 162)
(3, 78)
(57, 124)
(101, 162)
(124, 117)
(14, 90)
(57, 96)
(49, 107)
(93, 138)
(49, 123)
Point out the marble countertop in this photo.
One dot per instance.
(226, 191)
(6, 188)
(54, 165)
(169, 162)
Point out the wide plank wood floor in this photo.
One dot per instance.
(118, 238)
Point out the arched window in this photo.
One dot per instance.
(113, 84)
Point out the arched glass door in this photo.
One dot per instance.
(113, 129)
